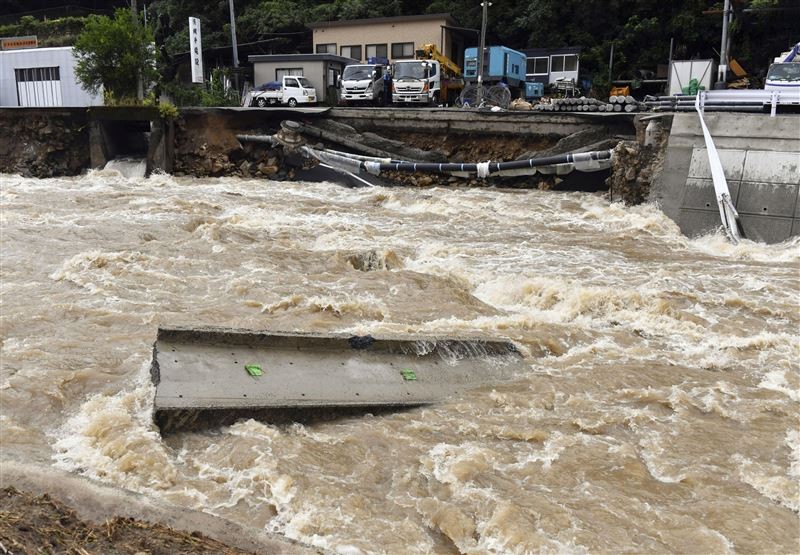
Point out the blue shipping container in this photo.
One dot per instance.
(499, 63)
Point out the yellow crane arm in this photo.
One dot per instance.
(431, 52)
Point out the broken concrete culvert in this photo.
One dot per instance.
(210, 376)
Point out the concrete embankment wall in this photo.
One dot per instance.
(761, 159)
(448, 121)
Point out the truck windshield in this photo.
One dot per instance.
(409, 71)
(305, 83)
(357, 72)
(789, 71)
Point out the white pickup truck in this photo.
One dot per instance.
(291, 90)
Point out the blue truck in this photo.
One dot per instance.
(500, 64)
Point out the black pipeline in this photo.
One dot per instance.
(486, 168)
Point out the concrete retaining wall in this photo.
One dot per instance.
(761, 159)
(444, 121)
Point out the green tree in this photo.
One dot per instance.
(113, 52)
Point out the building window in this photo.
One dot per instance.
(38, 86)
(352, 51)
(282, 72)
(402, 50)
(537, 66)
(377, 51)
(565, 62)
(329, 48)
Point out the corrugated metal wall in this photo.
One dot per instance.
(21, 84)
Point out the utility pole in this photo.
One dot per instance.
(139, 84)
(485, 4)
(233, 36)
(722, 73)
(610, 64)
(235, 48)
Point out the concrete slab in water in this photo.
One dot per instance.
(204, 370)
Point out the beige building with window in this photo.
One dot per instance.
(323, 70)
(392, 37)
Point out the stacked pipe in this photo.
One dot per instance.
(583, 104)
(622, 103)
(687, 104)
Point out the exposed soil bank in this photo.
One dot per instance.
(637, 163)
(44, 509)
(44, 143)
(41, 524)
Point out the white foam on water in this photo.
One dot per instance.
(776, 380)
(132, 168)
(113, 438)
(770, 480)
(718, 245)
(793, 443)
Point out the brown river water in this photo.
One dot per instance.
(658, 412)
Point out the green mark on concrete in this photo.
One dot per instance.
(253, 369)
(408, 375)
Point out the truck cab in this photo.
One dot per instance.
(416, 82)
(363, 83)
(784, 73)
(783, 76)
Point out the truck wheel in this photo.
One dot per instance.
(261, 102)
(292, 103)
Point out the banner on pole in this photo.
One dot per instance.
(196, 50)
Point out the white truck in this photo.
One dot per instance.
(784, 73)
(363, 83)
(415, 82)
(431, 78)
(291, 90)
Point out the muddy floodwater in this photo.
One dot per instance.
(658, 411)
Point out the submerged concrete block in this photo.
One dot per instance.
(201, 370)
(766, 229)
(699, 194)
(767, 199)
(772, 167)
(732, 164)
(694, 223)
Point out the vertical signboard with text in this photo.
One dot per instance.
(196, 50)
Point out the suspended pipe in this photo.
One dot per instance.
(375, 165)
(492, 167)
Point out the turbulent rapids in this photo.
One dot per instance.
(657, 410)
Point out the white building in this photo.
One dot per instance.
(42, 77)
(548, 65)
